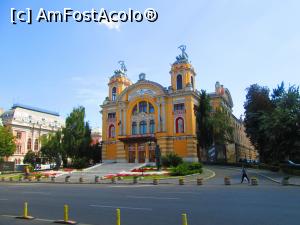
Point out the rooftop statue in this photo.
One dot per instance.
(184, 56)
(122, 69)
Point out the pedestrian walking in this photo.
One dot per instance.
(244, 175)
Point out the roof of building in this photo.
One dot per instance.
(35, 109)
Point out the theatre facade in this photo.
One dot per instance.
(138, 116)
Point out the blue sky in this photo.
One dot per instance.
(63, 65)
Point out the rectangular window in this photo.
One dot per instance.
(19, 135)
(178, 106)
(111, 115)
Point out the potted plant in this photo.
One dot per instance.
(155, 181)
(181, 181)
(80, 179)
(96, 179)
(135, 179)
(254, 181)
(227, 181)
(199, 180)
(38, 176)
(113, 179)
(285, 180)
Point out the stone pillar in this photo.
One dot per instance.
(163, 116)
(147, 152)
(136, 153)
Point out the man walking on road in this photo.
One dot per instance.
(244, 175)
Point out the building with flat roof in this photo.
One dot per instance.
(28, 125)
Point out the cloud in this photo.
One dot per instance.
(90, 90)
(111, 25)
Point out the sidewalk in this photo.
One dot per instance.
(277, 176)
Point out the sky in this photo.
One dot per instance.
(59, 66)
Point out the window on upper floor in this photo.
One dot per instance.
(152, 126)
(179, 106)
(19, 135)
(134, 111)
(111, 131)
(111, 115)
(179, 82)
(36, 145)
(114, 94)
(151, 108)
(179, 125)
(29, 144)
(134, 128)
(143, 127)
(143, 106)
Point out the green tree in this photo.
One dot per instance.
(222, 130)
(257, 104)
(281, 127)
(30, 158)
(7, 142)
(52, 148)
(73, 134)
(203, 123)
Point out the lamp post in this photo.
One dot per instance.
(157, 157)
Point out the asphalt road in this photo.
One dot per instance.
(210, 204)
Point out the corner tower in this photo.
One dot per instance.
(118, 82)
(182, 72)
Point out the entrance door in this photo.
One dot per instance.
(131, 153)
(142, 153)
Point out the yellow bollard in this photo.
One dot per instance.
(66, 213)
(66, 217)
(25, 213)
(118, 217)
(184, 219)
(25, 209)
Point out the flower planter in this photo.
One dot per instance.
(96, 179)
(285, 181)
(227, 181)
(113, 180)
(67, 179)
(199, 181)
(120, 178)
(135, 180)
(181, 181)
(254, 181)
(155, 181)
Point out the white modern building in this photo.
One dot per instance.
(28, 125)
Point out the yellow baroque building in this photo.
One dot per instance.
(138, 116)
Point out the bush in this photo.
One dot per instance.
(186, 169)
(80, 163)
(171, 160)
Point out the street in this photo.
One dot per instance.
(211, 204)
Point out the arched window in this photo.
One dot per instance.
(134, 128)
(151, 108)
(134, 111)
(143, 106)
(29, 144)
(179, 125)
(152, 126)
(111, 131)
(179, 82)
(36, 145)
(143, 127)
(192, 81)
(114, 94)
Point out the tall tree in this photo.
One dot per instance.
(257, 103)
(52, 148)
(73, 133)
(222, 130)
(204, 128)
(7, 142)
